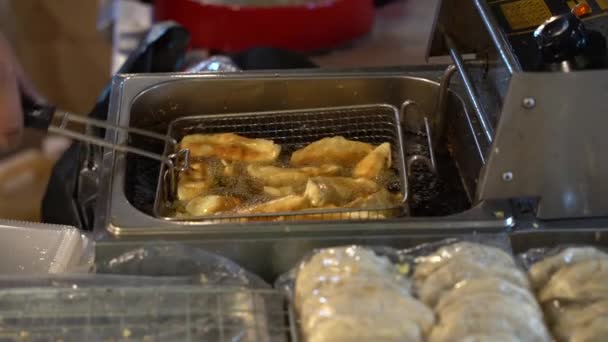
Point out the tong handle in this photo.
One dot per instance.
(179, 159)
(35, 115)
(40, 116)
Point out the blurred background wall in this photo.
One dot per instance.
(69, 62)
(60, 48)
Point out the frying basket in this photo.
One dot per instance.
(294, 129)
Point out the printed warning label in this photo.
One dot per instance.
(525, 13)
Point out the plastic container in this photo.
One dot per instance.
(229, 26)
(168, 292)
(142, 313)
(33, 248)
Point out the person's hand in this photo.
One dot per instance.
(13, 83)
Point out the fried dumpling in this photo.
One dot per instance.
(283, 204)
(231, 147)
(335, 150)
(282, 191)
(378, 200)
(277, 177)
(212, 204)
(323, 170)
(198, 170)
(196, 181)
(189, 189)
(372, 165)
(323, 191)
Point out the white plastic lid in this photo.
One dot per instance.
(35, 248)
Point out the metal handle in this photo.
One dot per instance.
(500, 40)
(35, 115)
(179, 160)
(488, 129)
(430, 162)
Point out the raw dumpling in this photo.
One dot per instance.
(359, 298)
(493, 304)
(364, 329)
(335, 150)
(586, 280)
(432, 288)
(541, 272)
(331, 267)
(489, 315)
(566, 319)
(491, 337)
(212, 204)
(351, 294)
(486, 285)
(595, 331)
(464, 250)
(374, 163)
(323, 191)
(231, 147)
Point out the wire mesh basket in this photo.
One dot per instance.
(292, 130)
(165, 313)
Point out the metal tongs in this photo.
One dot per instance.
(49, 118)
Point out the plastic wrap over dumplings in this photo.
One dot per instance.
(572, 287)
(353, 294)
(478, 294)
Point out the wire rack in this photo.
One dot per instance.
(294, 129)
(175, 313)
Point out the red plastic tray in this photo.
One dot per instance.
(297, 27)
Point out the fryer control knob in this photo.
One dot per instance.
(561, 38)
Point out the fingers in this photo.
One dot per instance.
(25, 84)
(11, 115)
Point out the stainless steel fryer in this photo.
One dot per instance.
(124, 201)
(293, 129)
(273, 256)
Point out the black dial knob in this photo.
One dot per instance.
(561, 38)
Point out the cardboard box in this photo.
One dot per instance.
(59, 46)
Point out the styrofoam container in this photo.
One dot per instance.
(34, 248)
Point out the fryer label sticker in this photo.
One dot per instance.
(525, 13)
